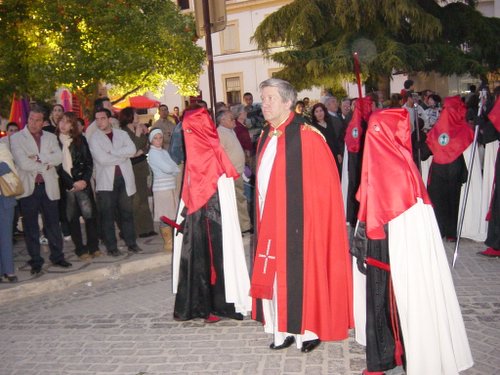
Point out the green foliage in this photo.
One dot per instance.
(81, 43)
(320, 37)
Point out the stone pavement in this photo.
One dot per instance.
(121, 323)
(56, 278)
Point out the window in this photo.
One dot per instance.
(230, 38)
(271, 71)
(183, 4)
(232, 88)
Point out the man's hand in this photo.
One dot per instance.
(79, 185)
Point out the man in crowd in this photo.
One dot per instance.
(254, 112)
(332, 105)
(115, 183)
(230, 143)
(415, 110)
(166, 124)
(102, 103)
(301, 282)
(36, 154)
(346, 110)
(11, 128)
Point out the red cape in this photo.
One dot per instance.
(206, 160)
(494, 115)
(308, 233)
(354, 131)
(390, 181)
(451, 135)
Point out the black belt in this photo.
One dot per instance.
(39, 183)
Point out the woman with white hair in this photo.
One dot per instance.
(165, 200)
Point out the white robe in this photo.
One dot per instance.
(431, 321)
(490, 156)
(474, 224)
(236, 278)
(345, 177)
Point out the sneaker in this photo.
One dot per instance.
(96, 254)
(44, 240)
(490, 253)
(67, 238)
(85, 257)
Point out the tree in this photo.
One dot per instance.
(320, 37)
(79, 44)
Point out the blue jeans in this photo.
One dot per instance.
(109, 202)
(30, 207)
(6, 247)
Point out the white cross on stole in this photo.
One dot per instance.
(267, 256)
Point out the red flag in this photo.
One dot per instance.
(16, 111)
(354, 132)
(494, 115)
(66, 100)
(390, 181)
(451, 135)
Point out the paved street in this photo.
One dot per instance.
(123, 325)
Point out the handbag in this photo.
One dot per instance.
(10, 185)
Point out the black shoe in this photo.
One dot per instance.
(135, 249)
(309, 346)
(35, 270)
(114, 252)
(11, 278)
(288, 342)
(63, 263)
(148, 234)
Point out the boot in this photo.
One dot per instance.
(166, 234)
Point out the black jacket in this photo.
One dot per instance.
(82, 165)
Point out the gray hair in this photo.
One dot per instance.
(220, 115)
(237, 109)
(37, 108)
(285, 89)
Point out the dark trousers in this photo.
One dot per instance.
(110, 201)
(30, 207)
(76, 235)
(90, 229)
(6, 247)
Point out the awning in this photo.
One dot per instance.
(141, 102)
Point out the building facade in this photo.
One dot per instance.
(239, 66)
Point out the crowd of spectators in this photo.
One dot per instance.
(103, 176)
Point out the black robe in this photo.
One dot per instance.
(493, 237)
(444, 187)
(201, 289)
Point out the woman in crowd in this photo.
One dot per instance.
(77, 197)
(129, 122)
(321, 120)
(7, 205)
(165, 200)
(54, 118)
